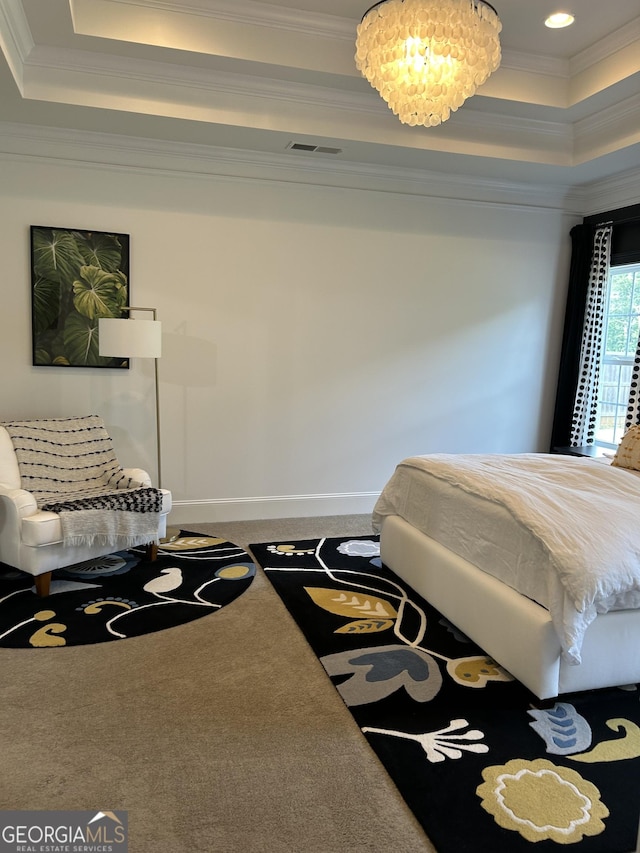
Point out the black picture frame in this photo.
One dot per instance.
(77, 277)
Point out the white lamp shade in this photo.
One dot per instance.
(130, 338)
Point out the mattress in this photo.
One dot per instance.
(476, 529)
(466, 516)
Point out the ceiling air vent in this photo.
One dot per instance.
(314, 149)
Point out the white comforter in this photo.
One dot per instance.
(586, 515)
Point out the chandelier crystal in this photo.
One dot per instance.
(426, 57)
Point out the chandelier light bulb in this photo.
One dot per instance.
(426, 57)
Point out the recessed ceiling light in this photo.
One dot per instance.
(559, 20)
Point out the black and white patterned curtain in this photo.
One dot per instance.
(583, 421)
(633, 410)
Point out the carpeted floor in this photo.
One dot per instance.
(223, 735)
(459, 736)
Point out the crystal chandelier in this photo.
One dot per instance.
(426, 57)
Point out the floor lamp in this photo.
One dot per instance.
(128, 338)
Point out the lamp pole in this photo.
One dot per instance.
(154, 311)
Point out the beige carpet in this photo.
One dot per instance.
(218, 736)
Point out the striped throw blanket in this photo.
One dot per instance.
(71, 468)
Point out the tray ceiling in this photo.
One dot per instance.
(256, 77)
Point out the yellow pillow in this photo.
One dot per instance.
(628, 452)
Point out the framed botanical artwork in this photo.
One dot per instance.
(76, 277)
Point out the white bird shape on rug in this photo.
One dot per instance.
(165, 582)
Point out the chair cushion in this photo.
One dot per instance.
(44, 528)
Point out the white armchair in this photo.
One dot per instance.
(31, 539)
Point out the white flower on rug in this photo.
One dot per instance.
(359, 548)
(444, 743)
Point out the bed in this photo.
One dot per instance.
(507, 548)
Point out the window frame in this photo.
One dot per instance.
(618, 360)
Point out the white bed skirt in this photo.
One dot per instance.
(515, 631)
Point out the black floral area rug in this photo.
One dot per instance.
(481, 765)
(124, 594)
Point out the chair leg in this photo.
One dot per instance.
(152, 551)
(43, 584)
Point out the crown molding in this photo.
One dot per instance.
(83, 149)
(15, 38)
(161, 75)
(247, 12)
(110, 151)
(534, 63)
(618, 191)
(273, 16)
(200, 94)
(626, 111)
(25, 59)
(496, 129)
(619, 40)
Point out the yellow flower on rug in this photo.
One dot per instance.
(541, 800)
(477, 671)
(187, 543)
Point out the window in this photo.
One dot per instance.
(594, 394)
(622, 327)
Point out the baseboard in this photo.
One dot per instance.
(284, 506)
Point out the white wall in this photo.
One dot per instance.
(313, 336)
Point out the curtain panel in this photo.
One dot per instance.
(583, 422)
(582, 345)
(633, 410)
(581, 249)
